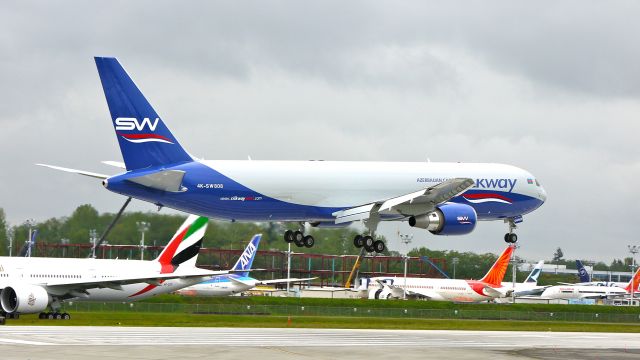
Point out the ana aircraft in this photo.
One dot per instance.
(530, 284)
(487, 288)
(32, 284)
(237, 282)
(443, 198)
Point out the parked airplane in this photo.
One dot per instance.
(237, 282)
(530, 285)
(585, 278)
(443, 198)
(31, 285)
(487, 288)
(591, 291)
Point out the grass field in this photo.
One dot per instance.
(192, 320)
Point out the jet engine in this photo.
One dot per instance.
(447, 219)
(24, 298)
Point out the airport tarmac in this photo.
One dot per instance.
(77, 342)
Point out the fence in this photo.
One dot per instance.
(293, 310)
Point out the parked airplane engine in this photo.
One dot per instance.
(24, 299)
(447, 219)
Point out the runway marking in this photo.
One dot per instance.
(23, 342)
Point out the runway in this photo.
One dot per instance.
(55, 342)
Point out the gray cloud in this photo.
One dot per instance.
(550, 87)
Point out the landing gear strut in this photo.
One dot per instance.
(511, 237)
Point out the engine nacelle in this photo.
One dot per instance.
(447, 219)
(24, 299)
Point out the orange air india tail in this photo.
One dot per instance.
(635, 281)
(499, 268)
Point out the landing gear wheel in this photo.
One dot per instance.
(358, 241)
(288, 236)
(299, 243)
(50, 316)
(66, 316)
(511, 238)
(369, 249)
(308, 241)
(42, 315)
(368, 242)
(379, 246)
(57, 316)
(298, 236)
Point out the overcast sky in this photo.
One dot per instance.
(552, 87)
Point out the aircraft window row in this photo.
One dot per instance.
(592, 291)
(55, 276)
(420, 286)
(452, 288)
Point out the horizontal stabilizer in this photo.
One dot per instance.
(81, 172)
(117, 164)
(165, 180)
(284, 281)
(240, 282)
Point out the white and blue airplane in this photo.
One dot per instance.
(238, 280)
(443, 198)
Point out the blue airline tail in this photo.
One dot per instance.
(246, 259)
(143, 137)
(582, 272)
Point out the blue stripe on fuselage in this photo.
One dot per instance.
(225, 278)
(237, 202)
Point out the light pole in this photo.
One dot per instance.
(288, 267)
(406, 240)
(10, 234)
(633, 249)
(93, 236)
(143, 227)
(30, 225)
(454, 261)
(514, 269)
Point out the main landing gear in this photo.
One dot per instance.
(299, 238)
(54, 316)
(369, 244)
(511, 237)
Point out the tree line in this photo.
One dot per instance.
(226, 235)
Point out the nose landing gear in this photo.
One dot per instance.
(511, 237)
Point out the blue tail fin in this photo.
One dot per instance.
(143, 137)
(246, 259)
(582, 272)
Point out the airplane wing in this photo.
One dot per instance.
(415, 203)
(81, 172)
(397, 291)
(61, 286)
(284, 281)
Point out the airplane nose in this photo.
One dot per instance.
(542, 194)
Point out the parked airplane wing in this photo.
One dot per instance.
(81, 172)
(284, 281)
(61, 286)
(415, 203)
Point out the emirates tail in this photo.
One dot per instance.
(499, 268)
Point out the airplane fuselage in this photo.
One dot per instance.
(313, 190)
(435, 289)
(43, 271)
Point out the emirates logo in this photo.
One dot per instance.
(31, 300)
